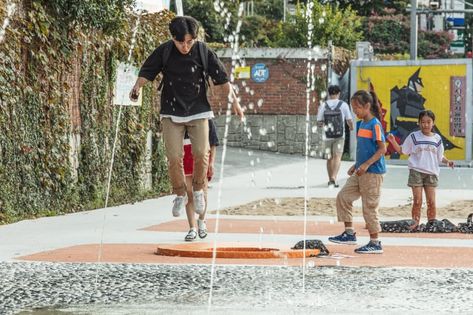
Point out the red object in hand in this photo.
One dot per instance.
(390, 149)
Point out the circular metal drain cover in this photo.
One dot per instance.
(232, 250)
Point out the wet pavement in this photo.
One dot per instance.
(183, 289)
(140, 282)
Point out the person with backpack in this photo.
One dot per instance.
(186, 65)
(331, 116)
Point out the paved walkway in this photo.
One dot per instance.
(130, 233)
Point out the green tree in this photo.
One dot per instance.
(258, 31)
(271, 9)
(107, 15)
(371, 7)
(329, 23)
(390, 35)
(212, 21)
(387, 34)
(434, 45)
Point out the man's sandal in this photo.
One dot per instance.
(202, 228)
(191, 235)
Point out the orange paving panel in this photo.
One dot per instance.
(394, 256)
(233, 250)
(289, 227)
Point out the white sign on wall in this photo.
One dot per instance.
(126, 78)
(152, 6)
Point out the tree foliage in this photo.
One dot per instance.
(391, 35)
(258, 31)
(434, 45)
(342, 27)
(106, 15)
(371, 7)
(266, 29)
(213, 23)
(270, 9)
(387, 34)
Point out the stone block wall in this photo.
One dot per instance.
(275, 133)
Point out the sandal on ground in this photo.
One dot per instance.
(202, 228)
(333, 183)
(191, 235)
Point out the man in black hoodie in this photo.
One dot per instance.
(184, 103)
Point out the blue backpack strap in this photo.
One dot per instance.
(166, 54)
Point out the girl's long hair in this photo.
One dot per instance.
(364, 97)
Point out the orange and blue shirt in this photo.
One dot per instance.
(367, 135)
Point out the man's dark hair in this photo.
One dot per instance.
(182, 25)
(333, 90)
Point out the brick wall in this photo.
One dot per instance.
(275, 109)
(283, 93)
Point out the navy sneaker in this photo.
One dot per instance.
(370, 248)
(344, 238)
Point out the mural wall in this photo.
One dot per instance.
(406, 88)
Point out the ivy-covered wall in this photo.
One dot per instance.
(58, 62)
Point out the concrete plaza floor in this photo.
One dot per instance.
(130, 233)
(104, 262)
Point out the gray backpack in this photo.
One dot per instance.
(333, 121)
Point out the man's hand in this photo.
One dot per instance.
(210, 172)
(391, 138)
(238, 110)
(234, 100)
(135, 91)
(134, 94)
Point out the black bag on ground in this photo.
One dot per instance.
(312, 244)
(437, 226)
(468, 226)
(399, 226)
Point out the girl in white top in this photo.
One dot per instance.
(425, 150)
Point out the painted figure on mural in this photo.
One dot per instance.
(406, 104)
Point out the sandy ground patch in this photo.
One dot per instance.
(326, 206)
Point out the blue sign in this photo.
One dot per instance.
(259, 72)
(455, 22)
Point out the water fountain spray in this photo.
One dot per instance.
(309, 89)
(234, 41)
